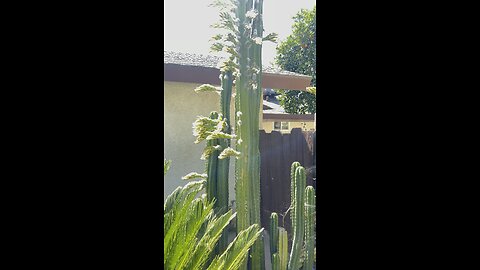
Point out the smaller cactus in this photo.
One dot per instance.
(282, 248)
(309, 227)
(275, 262)
(295, 165)
(299, 222)
(273, 234)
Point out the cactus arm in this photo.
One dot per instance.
(309, 226)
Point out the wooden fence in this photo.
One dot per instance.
(278, 152)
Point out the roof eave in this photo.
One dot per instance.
(195, 74)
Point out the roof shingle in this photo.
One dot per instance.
(211, 61)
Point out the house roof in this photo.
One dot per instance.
(275, 112)
(197, 68)
(270, 107)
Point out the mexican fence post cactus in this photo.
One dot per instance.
(273, 234)
(298, 224)
(224, 163)
(282, 248)
(243, 22)
(309, 227)
(275, 262)
(248, 101)
(303, 222)
(293, 168)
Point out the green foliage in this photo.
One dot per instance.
(236, 253)
(191, 231)
(297, 102)
(298, 54)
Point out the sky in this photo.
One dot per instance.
(187, 24)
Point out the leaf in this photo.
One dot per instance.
(237, 251)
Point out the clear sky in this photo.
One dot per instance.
(187, 24)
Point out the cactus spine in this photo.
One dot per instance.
(309, 226)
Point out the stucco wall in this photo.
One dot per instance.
(181, 107)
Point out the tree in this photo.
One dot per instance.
(298, 53)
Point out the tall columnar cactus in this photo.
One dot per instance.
(242, 40)
(218, 151)
(309, 227)
(298, 223)
(248, 101)
(214, 129)
(224, 163)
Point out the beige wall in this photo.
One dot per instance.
(268, 125)
(181, 107)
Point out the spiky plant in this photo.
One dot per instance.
(191, 230)
(273, 234)
(282, 248)
(298, 185)
(302, 211)
(242, 40)
(309, 227)
(218, 150)
(243, 22)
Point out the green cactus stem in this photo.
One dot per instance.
(248, 102)
(275, 262)
(309, 227)
(299, 224)
(293, 168)
(224, 163)
(282, 248)
(273, 234)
